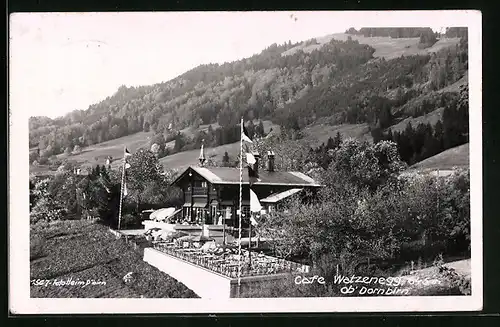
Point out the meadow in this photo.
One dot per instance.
(98, 153)
(386, 47)
(448, 159)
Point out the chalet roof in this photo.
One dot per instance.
(276, 197)
(228, 175)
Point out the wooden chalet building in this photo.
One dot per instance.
(211, 194)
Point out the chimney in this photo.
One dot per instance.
(201, 158)
(270, 161)
(257, 159)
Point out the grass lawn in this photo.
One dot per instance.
(85, 251)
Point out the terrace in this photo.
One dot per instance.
(226, 260)
(213, 272)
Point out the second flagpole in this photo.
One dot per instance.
(121, 189)
(240, 205)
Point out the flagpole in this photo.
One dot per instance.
(241, 198)
(121, 190)
(250, 243)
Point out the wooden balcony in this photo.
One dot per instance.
(200, 191)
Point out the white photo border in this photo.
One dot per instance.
(18, 181)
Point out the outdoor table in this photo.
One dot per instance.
(218, 261)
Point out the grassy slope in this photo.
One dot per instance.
(455, 87)
(431, 118)
(112, 148)
(386, 47)
(83, 251)
(454, 157)
(321, 132)
(316, 134)
(184, 159)
(136, 141)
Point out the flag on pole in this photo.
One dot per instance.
(247, 146)
(244, 135)
(251, 159)
(255, 205)
(127, 154)
(253, 221)
(125, 191)
(102, 181)
(253, 176)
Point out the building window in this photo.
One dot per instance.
(246, 211)
(187, 212)
(228, 212)
(200, 184)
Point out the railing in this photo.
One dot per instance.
(200, 190)
(261, 265)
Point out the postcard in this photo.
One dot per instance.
(221, 162)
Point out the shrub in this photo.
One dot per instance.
(456, 280)
(129, 220)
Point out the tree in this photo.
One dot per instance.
(77, 149)
(337, 141)
(226, 160)
(145, 181)
(33, 156)
(145, 126)
(377, 134)
(259, 129)
(155, 148)
(250, 129)
(63, 189)
(330, 144)
(363, 164)
(46, 207)
(179, 142)
(428, 38)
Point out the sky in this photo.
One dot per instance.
(60, 62)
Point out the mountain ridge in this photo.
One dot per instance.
(339, 82)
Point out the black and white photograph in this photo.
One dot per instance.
(190, 162)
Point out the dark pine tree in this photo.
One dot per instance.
(337, 141)
(330, 144)
(225, 160)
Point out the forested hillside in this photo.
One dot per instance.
(338, 82)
